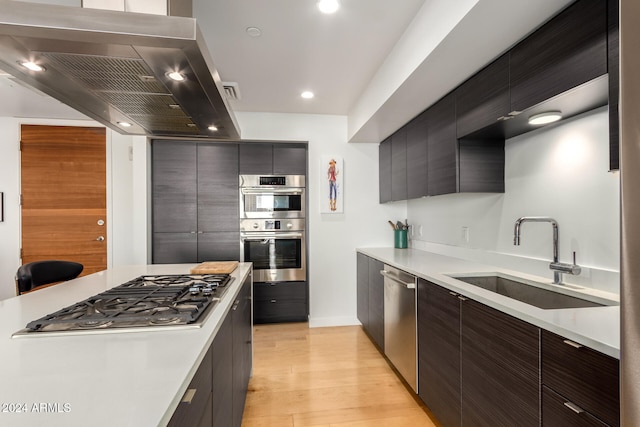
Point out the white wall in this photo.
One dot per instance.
(333, 238)
(126, 207)
(559, 171)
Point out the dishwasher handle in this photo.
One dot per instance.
(391, 276)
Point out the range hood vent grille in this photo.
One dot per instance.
(232, 90)
(113, 67)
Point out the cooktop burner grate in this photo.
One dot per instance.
(157, 300)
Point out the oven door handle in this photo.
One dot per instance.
(257, 190)
(262, 237)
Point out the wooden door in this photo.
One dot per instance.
(63, 179)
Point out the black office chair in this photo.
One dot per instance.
(39, 273)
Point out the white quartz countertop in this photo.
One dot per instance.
(118, 379)
(595, 327)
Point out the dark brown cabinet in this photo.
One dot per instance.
(195, 202)
(273, 159)
(371, 298)
(568, 51)
(439, 349)
(585, 380)
(242, 350)
(384, 170)
(399, 165)
(476, 366)
(500, 368)
(194, 408)
(613, 49)
(217, 393)
(481, 165)
(280, 302)
(417, 157)
(483, 99)
(222, 379)
(442, 147)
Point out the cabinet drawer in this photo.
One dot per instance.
(279, 291)
(280, 310)
(558, 411)
(190, 414)
(584, 376)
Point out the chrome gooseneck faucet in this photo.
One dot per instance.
(557, 267)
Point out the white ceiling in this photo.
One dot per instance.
(367, 61)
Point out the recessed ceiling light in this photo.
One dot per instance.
(328, 6)
(254, 31)
(307, 95)
(212, 128)
(545, 118)
(174, 75)
(31, 66)
(125, 124)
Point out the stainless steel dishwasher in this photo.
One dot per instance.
(400, 323)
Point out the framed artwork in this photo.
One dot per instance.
(331, 188)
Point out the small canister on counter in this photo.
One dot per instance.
(400, 239)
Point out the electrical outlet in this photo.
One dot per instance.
(465, 234)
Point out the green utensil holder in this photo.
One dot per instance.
(400, 239)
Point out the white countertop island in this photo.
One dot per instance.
(595, 327)
(110, 379)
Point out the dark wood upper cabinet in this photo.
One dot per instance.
(483, 99)
(289, 160)
(218, 197)
(174, 187)
(384, 170)
(272, 159)
(417, 180)
(399, 165)
(568, 51)
(613, 40)
(481, 165)
(500, 369)
(256, 159)
(439, 354)
(442, 147)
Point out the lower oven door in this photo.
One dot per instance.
(276, 256)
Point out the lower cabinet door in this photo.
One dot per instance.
(280, 302)
(500, 369)
(558, 411)
(222, 379)
(194, 402)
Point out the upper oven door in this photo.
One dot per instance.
(272, 202)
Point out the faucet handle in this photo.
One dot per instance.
(566, 268)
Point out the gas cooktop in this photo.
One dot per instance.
(154, 302)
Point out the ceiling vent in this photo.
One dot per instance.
(232, 90)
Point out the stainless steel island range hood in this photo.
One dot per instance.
(117, 68)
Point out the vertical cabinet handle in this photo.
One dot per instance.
(461, 298)
(453, 294)
(189, 395)
(575, 408)
(272, 301)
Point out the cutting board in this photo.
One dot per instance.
(215, 267)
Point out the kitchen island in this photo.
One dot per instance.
(131, 378)
(594, 327)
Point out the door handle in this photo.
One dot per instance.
(100, 238)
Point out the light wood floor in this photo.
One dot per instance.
(325, 377)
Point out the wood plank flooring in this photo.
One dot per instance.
(323, 377)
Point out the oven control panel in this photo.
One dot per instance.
(293, 224)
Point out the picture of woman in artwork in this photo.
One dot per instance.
(332, 174)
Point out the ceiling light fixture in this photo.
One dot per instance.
(254, 31)
(174, 75)
(31, 66)
(307, 95)
(328, 6)
(545, 118)
(125, 124)
(212, 128)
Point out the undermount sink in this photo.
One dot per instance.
(526, 292)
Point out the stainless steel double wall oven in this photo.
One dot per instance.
(273, 226)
